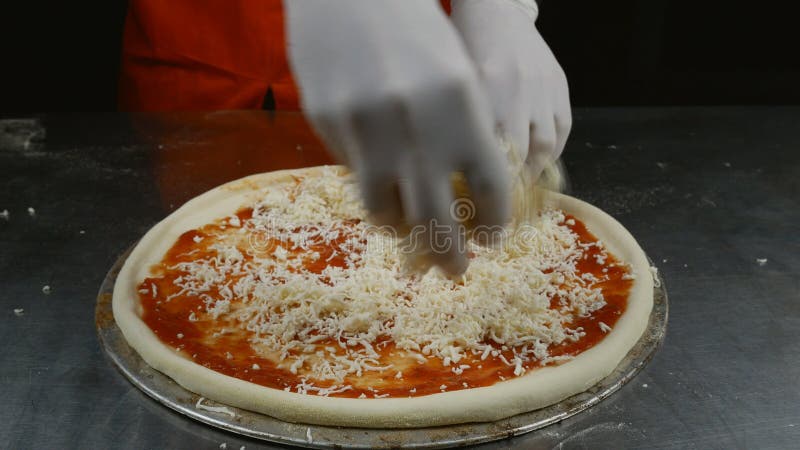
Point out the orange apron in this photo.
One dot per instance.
(203, 55)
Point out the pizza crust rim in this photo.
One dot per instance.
(536, 389)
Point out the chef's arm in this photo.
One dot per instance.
(390, 88)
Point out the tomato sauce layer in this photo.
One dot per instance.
(181, 322)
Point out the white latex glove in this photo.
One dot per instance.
(526, 85)
(390, 88)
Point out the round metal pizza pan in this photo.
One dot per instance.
(164, 390)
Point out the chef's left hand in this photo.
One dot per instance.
(526, 85)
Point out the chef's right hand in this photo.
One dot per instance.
(389, 87)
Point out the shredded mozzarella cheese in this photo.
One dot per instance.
(216, 409)
(363, 296)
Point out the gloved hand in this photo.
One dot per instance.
(526, 85)
(391, 90)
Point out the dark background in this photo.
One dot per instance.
(64, 56)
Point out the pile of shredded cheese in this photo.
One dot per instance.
(369, 299)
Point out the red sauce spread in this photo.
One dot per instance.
(181, 322)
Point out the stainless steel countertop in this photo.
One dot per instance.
(707, 192)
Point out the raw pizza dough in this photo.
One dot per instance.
(536, 389)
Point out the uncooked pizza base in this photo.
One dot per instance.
(535, 389)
